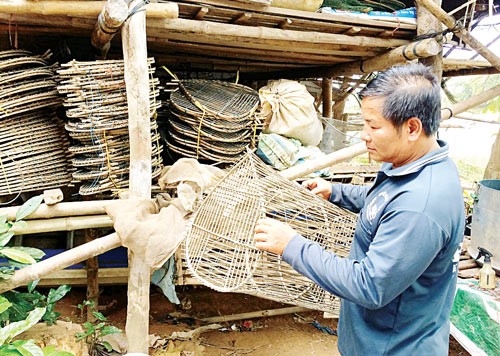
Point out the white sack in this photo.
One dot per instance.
(288, 109)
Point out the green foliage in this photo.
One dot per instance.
(24, 303)
(8, 332)
(19, 311)
(18, 256)
(29, 207)
(95, 331)
(461, 88)
(51, 351)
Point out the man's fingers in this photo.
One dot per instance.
(260, 237)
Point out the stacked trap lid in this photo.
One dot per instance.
(212, 120)
(96, 102)
(33, 143)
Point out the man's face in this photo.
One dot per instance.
(385, 143)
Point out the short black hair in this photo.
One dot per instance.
(408, 91)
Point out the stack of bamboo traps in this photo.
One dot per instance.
(211, 120)
(33, 143)
(220, 247)
(96, 101)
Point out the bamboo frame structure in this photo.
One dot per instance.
(73, 14)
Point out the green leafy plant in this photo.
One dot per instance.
(95, 331)
(19, 311)
(18, 256)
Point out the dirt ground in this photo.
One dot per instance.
(291, 334)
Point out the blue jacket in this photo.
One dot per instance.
(398, 283)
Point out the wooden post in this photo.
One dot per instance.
(461, 32)
(327, 96)
(92, 267)
(67, 258)
(137, 85)
(492, 170)
(110, 20)
(427, 23)
(326, 144)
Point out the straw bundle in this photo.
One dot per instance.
(212, 120)
(33, 144)
(220, 248)
(96, 105)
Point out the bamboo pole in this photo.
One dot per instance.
(136, 76)
(427, 23)
(461, 32)
(163, 10)
(471, 71)
(423, 48)
(471, 102)
(44, 211)
(458, 64)
(67, 258)
(307, 167)
(257, 314)
(62, 224)
(110, 20)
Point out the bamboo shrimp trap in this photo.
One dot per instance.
(220, 248)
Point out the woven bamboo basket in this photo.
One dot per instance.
(220, 247)
(212, 120)
(33, 145)
(96, 104)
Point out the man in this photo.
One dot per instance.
(398, 283)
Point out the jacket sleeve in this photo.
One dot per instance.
(349, 196)
(405, 245)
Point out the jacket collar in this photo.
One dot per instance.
(432, 157)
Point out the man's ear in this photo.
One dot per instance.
(414, 127)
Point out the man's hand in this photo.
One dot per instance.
(319, 187)
(272, 235)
